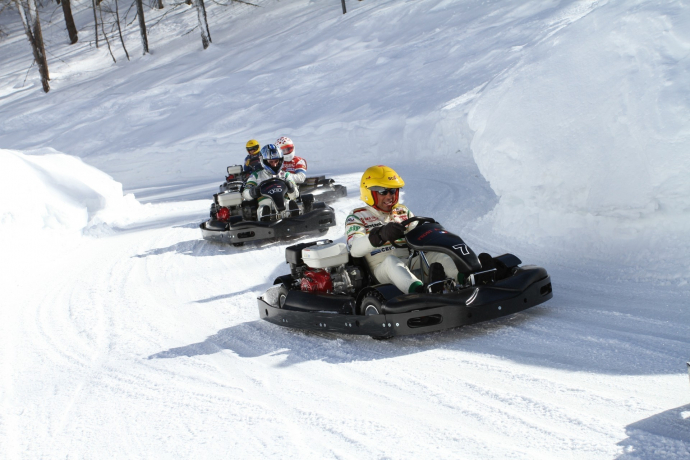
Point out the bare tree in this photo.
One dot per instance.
(100, 13)
(32, 27)
(142, 26)
(203, 23)
(119, 29)
(95, 21)
(69, 21)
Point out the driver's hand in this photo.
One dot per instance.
(390, 232)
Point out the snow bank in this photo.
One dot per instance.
(59, 192)
(587, 139)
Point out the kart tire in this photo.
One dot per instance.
(371, 305)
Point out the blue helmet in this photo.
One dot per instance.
(271, 152)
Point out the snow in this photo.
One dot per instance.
(612, 80)
(54, 191)
(554, 130)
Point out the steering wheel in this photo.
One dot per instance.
(408, 222)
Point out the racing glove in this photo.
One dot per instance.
(390, 232)
(254, 192)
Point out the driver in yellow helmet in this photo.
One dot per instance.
(371, 229)
(252, 161)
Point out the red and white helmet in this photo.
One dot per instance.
(287, 147)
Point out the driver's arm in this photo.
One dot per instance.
(300, 173)
(248, 192)
(357, 241)
(295, 190)
(360, 246)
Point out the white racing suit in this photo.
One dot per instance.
(256, 178)
(297, 167)
(387, 263)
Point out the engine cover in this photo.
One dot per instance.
(316, 281)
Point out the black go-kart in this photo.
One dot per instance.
(235, 221)
(329, 290)
(323, 189)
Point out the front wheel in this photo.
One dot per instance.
(282, 296)
(371, 305)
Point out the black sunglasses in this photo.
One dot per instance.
(384, 191)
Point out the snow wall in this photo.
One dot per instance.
(587, 140)
(48, 190)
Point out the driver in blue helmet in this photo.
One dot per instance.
(272, 162)
(373, 228)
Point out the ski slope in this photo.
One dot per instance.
(553, 130)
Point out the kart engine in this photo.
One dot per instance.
(324, 267)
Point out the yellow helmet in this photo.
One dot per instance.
(378, 176)
(253, 147)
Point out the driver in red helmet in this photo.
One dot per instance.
(295, 165)
(371, 229)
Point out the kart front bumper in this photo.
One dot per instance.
(245, 231)
(490, 302)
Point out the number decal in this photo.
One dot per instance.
(462, 248)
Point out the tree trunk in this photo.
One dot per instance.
(142, 26)
(119, 29)
(69, 21)
(95, 20)
(100, 13)
(203, 23)
(32, 27)
(159, 4)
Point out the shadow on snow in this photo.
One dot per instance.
(662, 436)
(260, 338)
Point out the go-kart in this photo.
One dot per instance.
(329, 290)
(323, 189)
(235, 221)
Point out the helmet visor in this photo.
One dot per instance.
(287, 149)
(253, 150)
